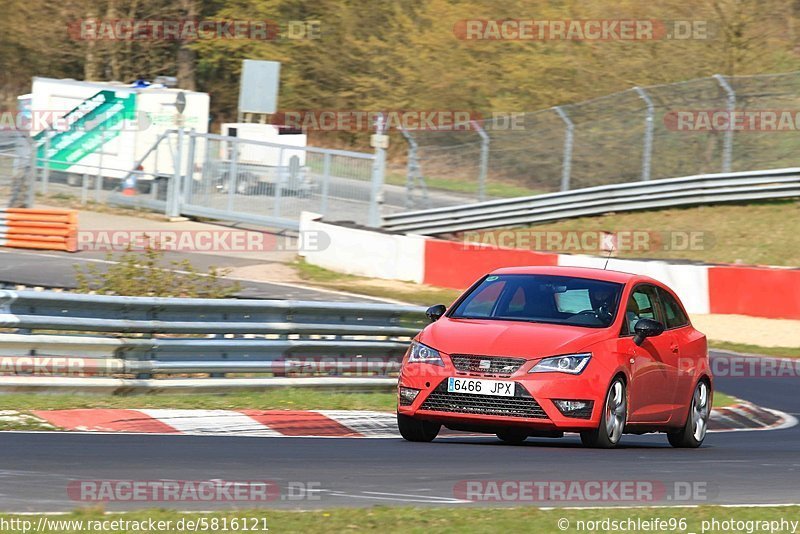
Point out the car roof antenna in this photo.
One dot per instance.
(610, 252)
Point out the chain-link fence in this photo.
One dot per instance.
(709, 125)
(274, 183)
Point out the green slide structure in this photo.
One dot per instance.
(92, 123)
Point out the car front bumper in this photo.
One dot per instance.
(531, 407)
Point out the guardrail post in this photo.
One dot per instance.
(727, 149)
(566, 164)
(484, 162)
(647, 151)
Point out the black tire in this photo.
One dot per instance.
(690, 436)
(513, 437)
(602, 437)
(416, 430)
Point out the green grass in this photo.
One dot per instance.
(389, 289)
(452, 519)
(468, 187)
(721, 400)
(786, 352)
(763, 233)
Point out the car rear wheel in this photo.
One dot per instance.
(694, 431)
(612, 420)
(416, 430)
(514, 437)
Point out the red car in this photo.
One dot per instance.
(539, 351)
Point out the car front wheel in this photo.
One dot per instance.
(694, 431)
(612, 420)
(416, 430)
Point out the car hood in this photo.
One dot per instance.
(508, 338)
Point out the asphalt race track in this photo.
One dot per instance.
(731, 468)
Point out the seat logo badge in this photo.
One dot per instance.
(485, 364)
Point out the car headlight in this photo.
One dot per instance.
(419, 353)
(568, 363)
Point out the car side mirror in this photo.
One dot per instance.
(646, 328)
(434, 313)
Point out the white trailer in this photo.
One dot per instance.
(111, 125)
(261, 165)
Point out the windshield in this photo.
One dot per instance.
(542, 299)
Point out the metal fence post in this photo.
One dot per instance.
(85, 189)
(174, 185)
(187, 181)
(566, 165)
(46, 162)
(98, 180)
(207, 174)
(30, 178)
(414, 176)
(326, 182)
(233, 172)
(727, 149)
(278, 192)
(378, 171)
(484, 162)
(647, 153)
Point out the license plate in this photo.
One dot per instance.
(477, 386)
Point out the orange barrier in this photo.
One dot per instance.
(39, 229)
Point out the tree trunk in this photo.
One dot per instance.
(186, 56)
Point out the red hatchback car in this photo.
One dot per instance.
(539, 351)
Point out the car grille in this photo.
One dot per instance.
(472, 364)
(520, 405)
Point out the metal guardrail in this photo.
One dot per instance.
(689, 190)
(217, 337)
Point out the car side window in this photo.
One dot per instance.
(673, 313)
(641, 305)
